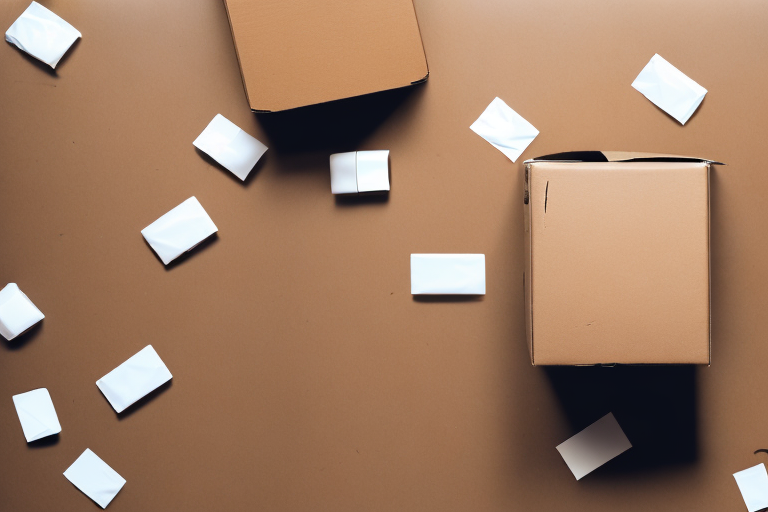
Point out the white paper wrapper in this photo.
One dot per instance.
(42, 34)
(753, 484)
(448, 274)
(233, 148)
(36, 414)
(17, 313)
(134, 379)
(594, 446)
(179, 230)
(669, 89)
(505, 129)
(95, 478)
(360, 171)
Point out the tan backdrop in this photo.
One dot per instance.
(306, 377)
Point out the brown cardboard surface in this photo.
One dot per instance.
(304, 52)
(306, 377)
(619, 262)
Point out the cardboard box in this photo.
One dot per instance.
(617, 259)
(305, 52)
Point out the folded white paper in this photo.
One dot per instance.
(594, 446)
(179, 230)
(669, 89)
(753, 484)
(17, 313)
(233, 148)
(448, 274)
(36, 414)
(134, 379)
(505, 129)
(42, 34)
(95, 478)
(360, 171)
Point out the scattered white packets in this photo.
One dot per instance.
(594, 446)
(360, 171)
(36, 414)
(134, 379)
(179, 230)
(95, 478)
(233, 148)
(753, 484)
(17, 313)
(448, 274)
(669, 89)
(42, 34)
(505, 129)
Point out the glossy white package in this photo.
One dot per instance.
(505, 129)
(42, 34)
(669, 89)
(134, 379)
(179, 230)
(36, 414)
(753, 484)
(95, 478)
(448, 274)
(360, 171)
(233, 148)
(594, 446)
(17, 313)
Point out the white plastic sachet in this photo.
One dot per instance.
(134, 379)
(37, 415)
(229, 145)
(448, 274)
(360, 171)
(95, 478)
(594, 446)
(669, 89)
(753, 484)
(42, 34)
(504, 129)
(179, 230)
(17, 313)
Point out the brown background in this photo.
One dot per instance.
(306, 377)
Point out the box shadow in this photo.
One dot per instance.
(655, 406)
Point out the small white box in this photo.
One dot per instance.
(36, 414)
(360, 171)
(753, 484)
(179, 230)
(42, 34)
(17, 313)
(669, 89)
(594, 446)
(229, 145)
(95, 478)
(448, 274)
(134, 379)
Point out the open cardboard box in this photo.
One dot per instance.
(617, 259)
(303, 52)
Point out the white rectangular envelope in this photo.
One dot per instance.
(448, 274)
(36, 414)
(505, 129)
(134, 379)
(229, 145)
(179, 230)
(17, 313)
(669, 89)
(95, 478)
(753, 484)
(42, 34)
(594, 446)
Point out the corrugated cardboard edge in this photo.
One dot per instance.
(263, 111)
(597, 157)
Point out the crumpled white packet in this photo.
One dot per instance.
(669, 89)
(42, 34)
(229, 145)
(95, 478)
(37, 415)
(17, 313)
(134, 379)
(505, 129)
(179, 230)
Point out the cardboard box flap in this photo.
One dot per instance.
(617, 156)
